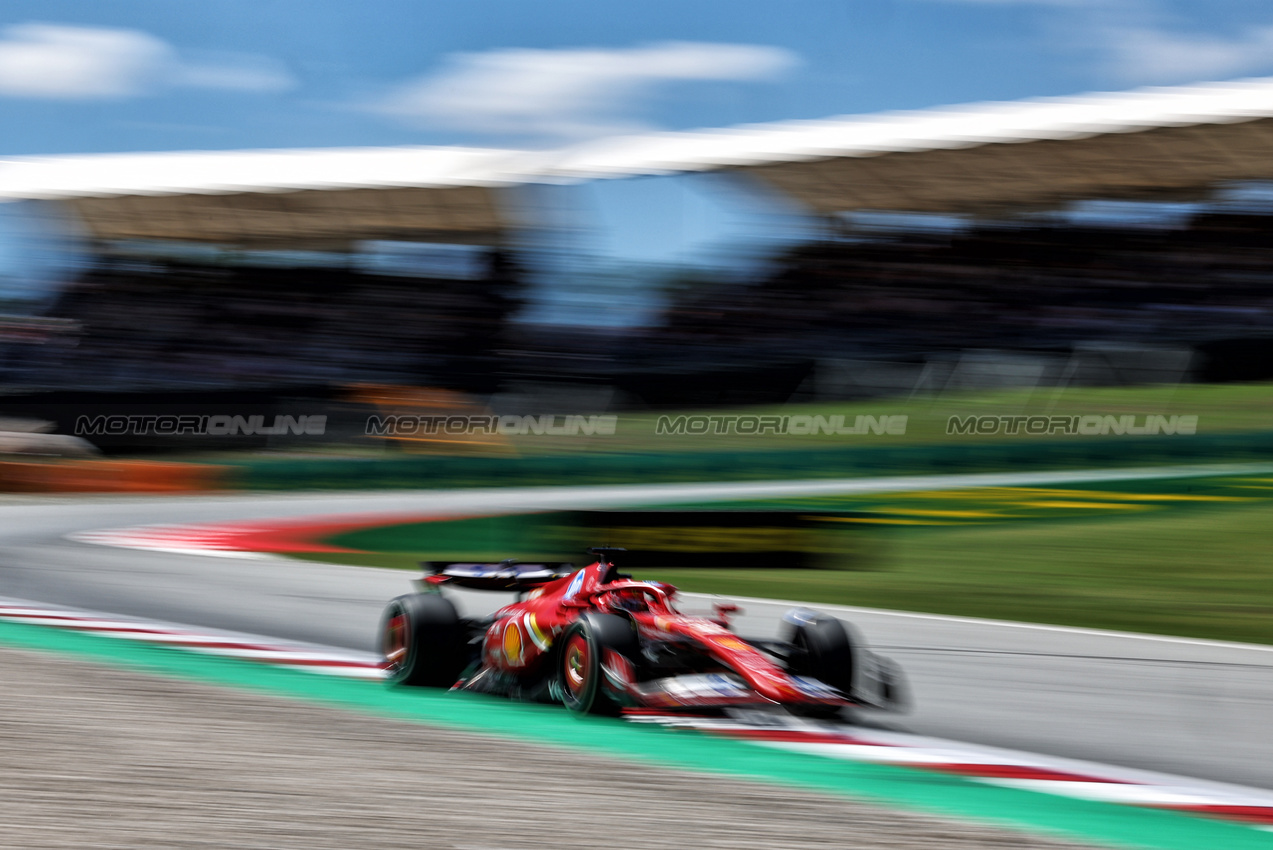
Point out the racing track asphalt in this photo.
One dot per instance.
(1195, 708)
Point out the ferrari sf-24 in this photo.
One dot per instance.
(600, 642)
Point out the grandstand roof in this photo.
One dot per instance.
(979, 156)
(275, 196)
(968, 158)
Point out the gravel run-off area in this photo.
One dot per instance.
(99, 757)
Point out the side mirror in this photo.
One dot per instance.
(725, 609)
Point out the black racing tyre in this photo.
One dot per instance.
(823, 650)
(579, 661)
(422, 641)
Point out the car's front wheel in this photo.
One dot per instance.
(823, 649)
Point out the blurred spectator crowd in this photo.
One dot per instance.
(154, 325)
(1039, 289)
(170, 326)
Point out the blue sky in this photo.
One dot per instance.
(158, 74)
(79, 76)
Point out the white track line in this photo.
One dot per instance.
(311, 657)
(213, 540)
(1011, 768)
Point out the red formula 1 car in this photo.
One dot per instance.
(599, 642)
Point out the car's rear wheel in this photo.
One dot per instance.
(422, 641)
(583, 648)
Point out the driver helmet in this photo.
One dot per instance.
(630, 600)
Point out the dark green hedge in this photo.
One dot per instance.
(431, 471)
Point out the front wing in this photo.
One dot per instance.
(879, 686)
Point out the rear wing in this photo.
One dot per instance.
(506, 575)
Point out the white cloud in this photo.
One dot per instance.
(1148, 55)
(55, 61)
(568, 93)
(234, 72)
(50, 61)
(1139, 41)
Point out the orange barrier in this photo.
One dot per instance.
(110, 476)
(394, 400)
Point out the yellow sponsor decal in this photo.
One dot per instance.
(731, 643)
(536, 634)
(513, 643)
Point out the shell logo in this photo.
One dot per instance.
(513, 644)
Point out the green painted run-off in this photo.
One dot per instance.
(929, 792)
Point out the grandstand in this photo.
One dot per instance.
(1045, 289)
(149, 318)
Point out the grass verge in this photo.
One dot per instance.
(1206, 572)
